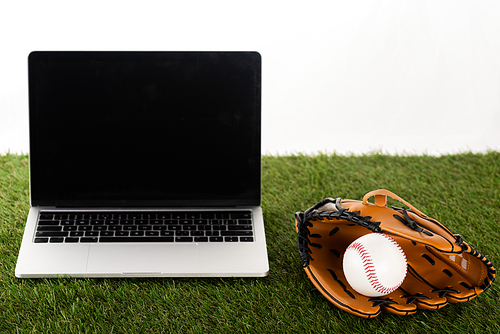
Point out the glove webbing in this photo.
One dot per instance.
(304, 221)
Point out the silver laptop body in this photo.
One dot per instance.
(144, 164)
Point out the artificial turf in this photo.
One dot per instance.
(462, 191)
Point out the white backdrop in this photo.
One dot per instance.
(399, 76)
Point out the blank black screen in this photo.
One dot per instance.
(145, 128)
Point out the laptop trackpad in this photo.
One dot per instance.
(143, 259)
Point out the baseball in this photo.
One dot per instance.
(374, 265)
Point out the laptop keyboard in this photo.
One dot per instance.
(154, 226)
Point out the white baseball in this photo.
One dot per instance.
(374, 265)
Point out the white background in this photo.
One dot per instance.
(397, 77)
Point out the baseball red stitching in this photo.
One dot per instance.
(369, 267)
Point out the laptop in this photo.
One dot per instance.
(144, 164)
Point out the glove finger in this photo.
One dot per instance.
(412, 294)
(395, 303)
(437, 276)
(420, 293)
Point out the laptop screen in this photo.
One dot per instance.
(145, 128)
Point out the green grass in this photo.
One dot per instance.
(462, 191)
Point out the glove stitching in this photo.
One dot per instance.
(458, 238)
(490, 277)
(413, 298)
(407, 221)
(381, 301)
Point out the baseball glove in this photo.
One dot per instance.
(441, 267)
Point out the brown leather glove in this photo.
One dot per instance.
(442, 267)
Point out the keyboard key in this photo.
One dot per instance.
(89, 239)
(41, 240)
(193, 215)
(136, 239)
(48, 222)
(207, 215)
(163, 215)
(126, 222)
(152, 233)
(171, 222)
(71, 240)
(178, 215)
(49, 228)
(82, 222)
(231, 239)
(149, 215)
(240, 228)
(52, 234)
(200, 239)
(137, 233)
(237, 233)
(246, 239)
(56, 240)
(112, 222)
(216, 239)
(183, 239)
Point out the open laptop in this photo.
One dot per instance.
(144, 164)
